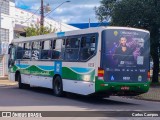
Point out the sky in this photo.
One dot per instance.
(75, 11)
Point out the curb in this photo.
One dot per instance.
(139, 98)
(7, 83)
(4, 78)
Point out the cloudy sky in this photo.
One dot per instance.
(75, 11)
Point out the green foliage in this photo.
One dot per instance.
(143, 14)
(38, 30)
(104, 12)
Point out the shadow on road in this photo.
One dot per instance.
(36, 96)
(81, 98)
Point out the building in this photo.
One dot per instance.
(13, 21)
(6, 31)
(24, 19)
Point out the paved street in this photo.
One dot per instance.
(38, 99)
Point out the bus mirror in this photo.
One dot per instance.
(9, 48)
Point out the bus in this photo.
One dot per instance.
(100, 61)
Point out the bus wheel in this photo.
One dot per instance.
(20, 84)
(57, 86)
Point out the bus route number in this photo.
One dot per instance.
(90, 64)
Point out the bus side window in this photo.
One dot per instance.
(87, 47)
(72, 49)
(35, 50)
(46, 49)
(20, 51)
(57, 49)
(93, 44)
(27, 52)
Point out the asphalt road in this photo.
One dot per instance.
(38, 99)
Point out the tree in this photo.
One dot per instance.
(143, 14)
(34, 30)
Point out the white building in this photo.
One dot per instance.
(12, 21)
(6, 31)
(25, 19)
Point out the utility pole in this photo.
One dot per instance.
(42, 18)
(89, 23)
(47, 9)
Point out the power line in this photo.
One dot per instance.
(27, 21)
(60, 22)
(32, 15)
(56, 8)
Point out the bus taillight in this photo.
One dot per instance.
(100, 74)
(148, 76)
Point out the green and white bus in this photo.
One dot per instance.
(95, 61)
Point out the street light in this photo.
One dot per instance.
(57, 7)
(47, 8)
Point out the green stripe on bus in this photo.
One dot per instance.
(67, 73)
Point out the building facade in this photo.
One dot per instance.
(12, 21)
(6, 32)
(24, 19)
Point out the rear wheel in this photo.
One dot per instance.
(58, 86)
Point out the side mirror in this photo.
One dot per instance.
(9, 48)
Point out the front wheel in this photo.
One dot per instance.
(20, 84)
(58, 86)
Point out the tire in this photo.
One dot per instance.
(58, 87)
(20, 84)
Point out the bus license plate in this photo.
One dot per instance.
(125, 88)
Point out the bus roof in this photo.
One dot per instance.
(69, 33)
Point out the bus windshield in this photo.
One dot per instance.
(125, 55)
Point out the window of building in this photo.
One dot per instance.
(4, 34)
(4, 6)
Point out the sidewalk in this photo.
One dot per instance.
(5, 82)
(152, 95)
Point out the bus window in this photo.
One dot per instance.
(20, 51)
(27, 52)
(57, 49)
(72, 49)
(46, 49)
(87, 47)
(93, 44)
(35, 50)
